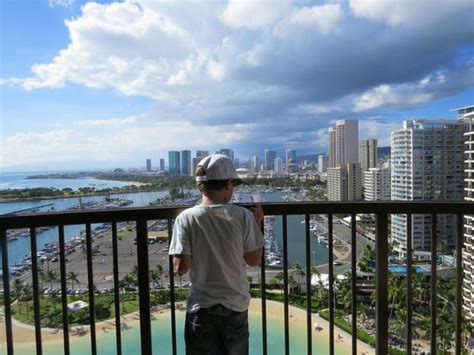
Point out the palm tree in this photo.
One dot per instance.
(278, 278)
(154, 278)
(51, 277)
(160, 271)
(298, 272)
(72, 276)
(122, 285)
(17, 288)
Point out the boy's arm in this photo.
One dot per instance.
(182, 263)
(253, 258)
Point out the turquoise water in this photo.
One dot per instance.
(403, 269)
(161, 333)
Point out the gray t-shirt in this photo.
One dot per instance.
(216, 236)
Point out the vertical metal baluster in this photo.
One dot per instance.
(381, 280)
(309, 332)
(459, 246)
(264, 298)
(409, 285)
(434, 303)
(6, 292)
(331, 285)
(172, 293)
(285, 278)
(118, 326)
(90, 281)
(354, 282)
(144, 285)
(36, 300)
(62, 265)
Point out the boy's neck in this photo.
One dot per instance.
(213, 200)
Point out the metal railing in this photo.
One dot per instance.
(142, 215)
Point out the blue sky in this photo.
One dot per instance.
(109, 84)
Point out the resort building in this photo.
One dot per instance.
(148, 165)
(174, 166)
(344, 183)
(323, 161)
(427, 164)
(377, 184)
(185, 162)
(332, 148)
(367, 154)
(466, 115)
(162, 164)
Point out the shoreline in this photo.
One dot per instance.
(24, 334)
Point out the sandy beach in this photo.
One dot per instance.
(24, 334)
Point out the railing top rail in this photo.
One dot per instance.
(270, 208)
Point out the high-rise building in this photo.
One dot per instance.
(367, 154)
(148, 165)
(185, 162)
(278, 165)
(332, 148)
(343, 143)
(426, 164)
(270, 156)
(200, 154)
(227, 152)
(377, 184)
(194, 162)
(290, 156)
(466, 115)
(347, 139)
(322, 163)
(162, 164)
(255, 164)
(337, 184)
(344, 183)
(174, 165)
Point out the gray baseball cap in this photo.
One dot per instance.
(218, 167)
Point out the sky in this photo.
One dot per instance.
(88, 85)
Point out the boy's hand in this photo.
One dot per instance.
(257, 213)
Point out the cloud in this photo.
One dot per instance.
(283, 68)
(407, 12)
(437, 85)
(321, 18)
(110, 122)
(254, 14)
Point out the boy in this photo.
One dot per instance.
(216, 240)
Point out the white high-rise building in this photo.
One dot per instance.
(377, 184)
(278, 165)
(290, 155)
(332, 148)
(466, 115)
(347, 140)
(367, 154)
(427, 164)
(322, 163)
(344, 183)
(255, 164)
(337, 184)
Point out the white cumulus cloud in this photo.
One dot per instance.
(254, 14)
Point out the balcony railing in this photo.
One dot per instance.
(142, 215)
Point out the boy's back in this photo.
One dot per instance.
(217, 236)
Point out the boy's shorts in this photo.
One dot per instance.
(216, 331)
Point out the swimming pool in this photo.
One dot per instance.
(402, 269)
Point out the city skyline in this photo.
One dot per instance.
(106, 85)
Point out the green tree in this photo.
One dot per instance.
(73, 277)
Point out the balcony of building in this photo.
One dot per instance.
(389, 336)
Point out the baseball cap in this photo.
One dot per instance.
(218, 167)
